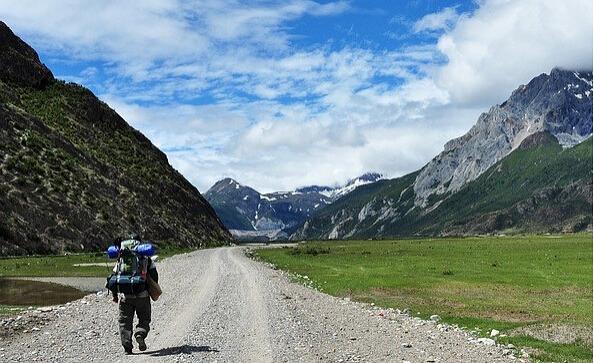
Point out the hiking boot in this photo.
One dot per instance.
(141, 343)
(128, 350)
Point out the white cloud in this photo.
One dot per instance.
(277, 117)
(151, 39)
(441, 20)
(112, 31)
(505, 43)
(258, 23)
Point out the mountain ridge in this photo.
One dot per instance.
(20, 62)
(250, 214)
(546, 103)
(508, 197)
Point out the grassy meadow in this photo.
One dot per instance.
(480, 283)
(68, 265)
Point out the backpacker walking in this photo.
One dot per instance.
(129, 285)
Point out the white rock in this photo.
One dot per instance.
(435, 317)
(494, 333)
(486, 341)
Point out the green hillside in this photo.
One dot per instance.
(539, 187)
(74, 174)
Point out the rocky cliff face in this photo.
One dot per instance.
(74, 174)
(560, 103)
(539, 187)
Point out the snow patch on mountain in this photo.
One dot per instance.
(277, 211)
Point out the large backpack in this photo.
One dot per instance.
(129, 276)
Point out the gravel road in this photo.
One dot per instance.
(218, 305)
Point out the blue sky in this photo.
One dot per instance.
(280, 94)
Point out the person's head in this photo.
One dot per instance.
(118, 241)
(135, 236)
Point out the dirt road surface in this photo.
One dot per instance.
(221, 306)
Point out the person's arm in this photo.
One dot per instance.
(152, 271)
(114, 294)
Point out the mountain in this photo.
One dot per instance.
(251, 215)
(74, 174)
(560, 103)
(526, 166)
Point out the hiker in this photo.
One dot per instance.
(135, 298)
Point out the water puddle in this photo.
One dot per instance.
(26, 293)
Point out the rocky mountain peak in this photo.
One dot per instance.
(223, 185)
(559, 103)
(249, 214)
(19, 63)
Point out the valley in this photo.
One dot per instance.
(480, 251)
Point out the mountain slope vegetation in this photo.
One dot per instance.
(539, 187)
(74, 174)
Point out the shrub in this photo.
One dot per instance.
(312, 251)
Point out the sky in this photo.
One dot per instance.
(282, 94)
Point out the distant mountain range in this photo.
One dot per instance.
(74, 175)
(251, 215)
(525, 166)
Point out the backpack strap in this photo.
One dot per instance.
(144, 266)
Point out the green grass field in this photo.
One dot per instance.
(65, 266)
(481, 283)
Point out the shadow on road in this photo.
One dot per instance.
(182, 349)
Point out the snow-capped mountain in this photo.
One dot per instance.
(353, 184)
(249, 214)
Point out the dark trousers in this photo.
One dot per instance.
(142, 307)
